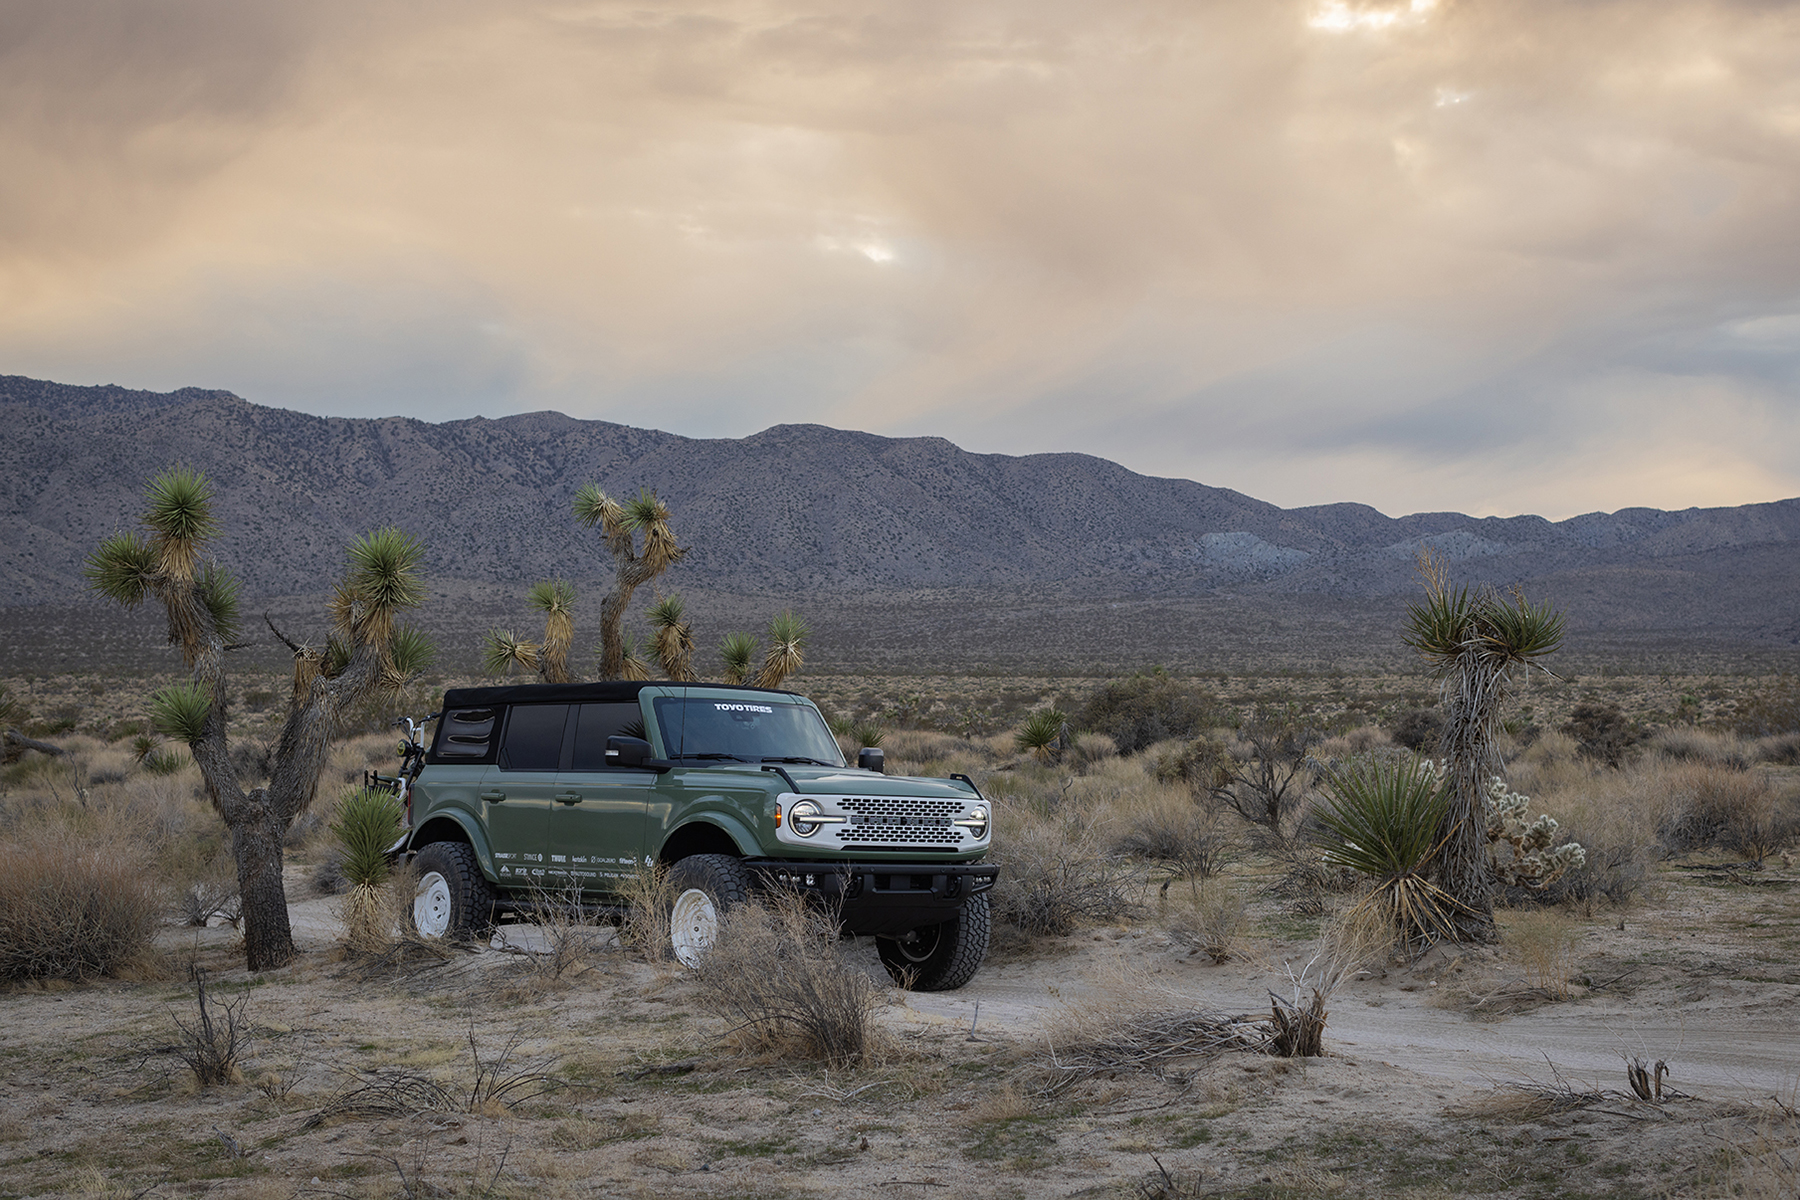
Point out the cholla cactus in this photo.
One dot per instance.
(1535, 862)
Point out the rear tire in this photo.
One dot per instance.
(941, 958)
(453, 898)
(705, 887)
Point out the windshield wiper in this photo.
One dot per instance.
(795, 758)
(715, 757)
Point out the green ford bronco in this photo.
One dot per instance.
(548, 788)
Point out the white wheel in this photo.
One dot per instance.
(693, 926)
(432, 905)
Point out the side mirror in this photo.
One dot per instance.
(626, 751)
(871, 759)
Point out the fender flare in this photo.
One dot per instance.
(472, 833)
(739, 833)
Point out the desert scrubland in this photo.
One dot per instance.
(1117, 1043)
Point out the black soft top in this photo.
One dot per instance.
(546, 693)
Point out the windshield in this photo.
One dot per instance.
(754, 730)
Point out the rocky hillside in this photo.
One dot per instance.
(808, 510)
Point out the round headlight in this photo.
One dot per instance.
(803, 818)
(976, 822)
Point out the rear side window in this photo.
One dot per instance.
(594, 723)
(534, 737)
(467, 734)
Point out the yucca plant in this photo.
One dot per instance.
(1382, 821)
(621, 524)
(673, 638)
(738, 650)
(1476, 642)
(1042, 734)
(366, 652)
(785, 657)
(501, 651)
(367, 822)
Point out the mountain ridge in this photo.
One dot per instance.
(800, 508)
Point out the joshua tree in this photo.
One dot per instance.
(738, 650)
(1474, 642)
(555, 598)
(633, 567)
(785, 656)
(366, 653)
(787, 640)
(674, 638)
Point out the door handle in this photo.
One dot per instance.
(568, 797)
(493, 795)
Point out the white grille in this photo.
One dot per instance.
(888, 822)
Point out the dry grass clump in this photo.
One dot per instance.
(1781, 749)
(1684, 743)
(75, 907)
(776, 974)
(1360, 740)
(644, 927)
(1544, 941)
(927, 752)
(1210, 919)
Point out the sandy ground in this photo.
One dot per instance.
(1414, 1098)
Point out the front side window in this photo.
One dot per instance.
(751, 729)
(594, 723)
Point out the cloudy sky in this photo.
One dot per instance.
(1481, 255)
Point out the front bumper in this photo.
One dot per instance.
(881, 898)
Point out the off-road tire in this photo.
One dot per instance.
(454, 899)
(702, 887)
(943, 957)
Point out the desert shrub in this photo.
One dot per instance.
(1145, 709)
(1091, 748)
(1181, 835)
(1772, 708)
(928, 752)
(215, 1039)
(1358, 740)
(74, 908)
(1603, 732)
(1418, 730)
(1054, 873)
(574, 935)
(1715, 806)
(1684, 743)
(1269, 774)
(1203, 764)
(776, 975)
(1613, 873)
